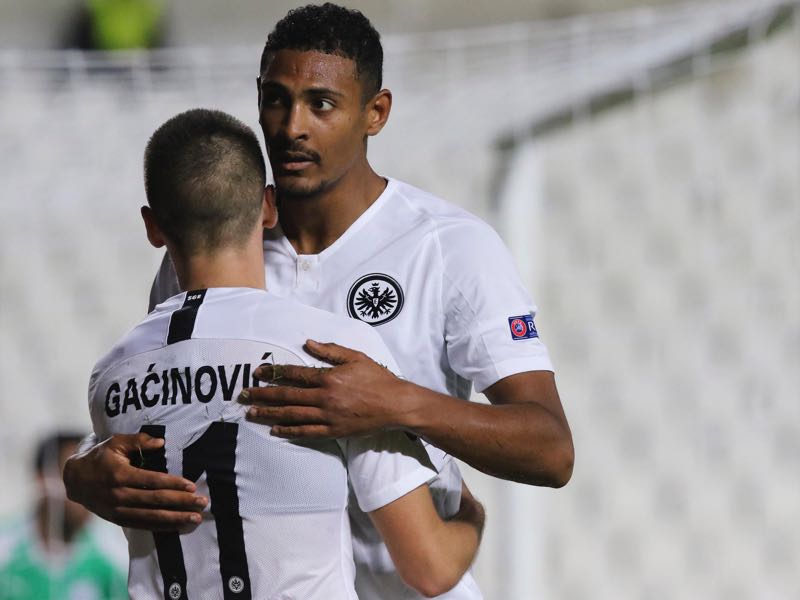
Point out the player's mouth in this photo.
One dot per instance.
(295, 161)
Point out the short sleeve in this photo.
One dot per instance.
(384, 467)
(96, 407)
(490, 331)
(165, 284)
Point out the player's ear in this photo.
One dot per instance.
(269, 215)
(378, 109)
(154, 234)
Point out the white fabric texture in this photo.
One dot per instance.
(289, 499)
(459, 288)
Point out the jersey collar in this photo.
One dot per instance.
(276, 236)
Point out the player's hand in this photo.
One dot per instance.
(104, 481)
(356, 396)
(471, 510)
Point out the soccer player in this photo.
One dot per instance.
(435, 282)
(58, 552)
(276, 525)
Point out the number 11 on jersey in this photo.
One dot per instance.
(213, 453)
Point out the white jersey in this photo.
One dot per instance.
(277, 524)
(441, 289)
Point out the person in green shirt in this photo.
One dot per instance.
(118, 25)
(60, 552)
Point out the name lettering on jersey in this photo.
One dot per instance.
(178, 385)
(522, 327)
(375, 299)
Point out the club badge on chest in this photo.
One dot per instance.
(375, 298)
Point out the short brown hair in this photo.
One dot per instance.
(204, 177)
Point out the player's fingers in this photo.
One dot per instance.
(332, 353)
(155, 519)
(280, 396)
(298, 432)
(293, 375)
(147, 442)
(284, 415)
(169, 499)
(152, 480)
(124, 443)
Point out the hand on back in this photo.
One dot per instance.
(104, 481)
(355, 396)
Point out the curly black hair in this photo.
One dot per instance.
(331, 29)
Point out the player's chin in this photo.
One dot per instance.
(296, 186)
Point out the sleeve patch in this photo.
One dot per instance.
(522, 327)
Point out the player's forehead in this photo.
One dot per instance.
(301, 69)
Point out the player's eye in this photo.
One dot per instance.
(322, 104)
(271, 99)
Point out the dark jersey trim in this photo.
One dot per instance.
(168, 544)
(215, 453)
(181, 323)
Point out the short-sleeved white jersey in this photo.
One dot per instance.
(277, 523)
(442, 290)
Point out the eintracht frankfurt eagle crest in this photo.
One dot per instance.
(375, 298)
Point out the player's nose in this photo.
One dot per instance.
(295, 124)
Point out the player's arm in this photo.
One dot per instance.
(388, 474)
(431, 555)
(522, 436)
(102, 478)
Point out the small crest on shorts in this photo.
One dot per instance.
(522, 327)
(236, 584)
(375, 299)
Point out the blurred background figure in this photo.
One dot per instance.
(59, 552)
(117, 25)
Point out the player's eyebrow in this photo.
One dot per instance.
(323, 91)
(316, 91)
(272, 84)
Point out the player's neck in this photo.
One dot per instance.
(227, 267)
(312, 224)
